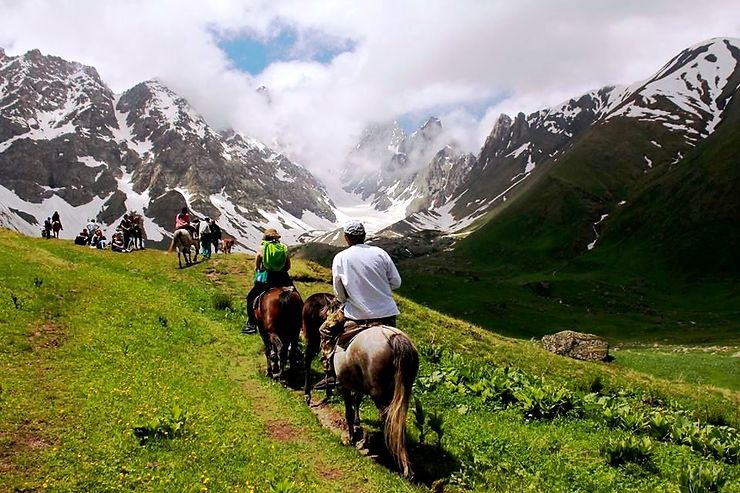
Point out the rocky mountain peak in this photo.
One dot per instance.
(68, 143)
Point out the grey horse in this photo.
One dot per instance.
(381, 362)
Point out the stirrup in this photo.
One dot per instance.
(328, 381)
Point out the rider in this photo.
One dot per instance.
(55, 219)
(182, 221)
(368, 273)
(271, 266)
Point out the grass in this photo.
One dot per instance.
(712, 366)
(95, 345)
(109, 343)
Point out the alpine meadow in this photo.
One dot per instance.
(283, 247)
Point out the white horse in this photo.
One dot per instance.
(183, 242)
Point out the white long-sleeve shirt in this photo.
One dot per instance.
(363, 277)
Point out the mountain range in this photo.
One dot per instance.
(560, 181)
(68, 143)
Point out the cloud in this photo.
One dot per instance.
(393, 58)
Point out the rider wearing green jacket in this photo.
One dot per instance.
(271, 266)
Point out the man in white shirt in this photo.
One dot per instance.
(363, 277)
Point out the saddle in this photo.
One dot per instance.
(351, 330)
(256, 302)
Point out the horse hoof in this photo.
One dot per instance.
(307, 398)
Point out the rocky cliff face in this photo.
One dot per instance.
(67, 143)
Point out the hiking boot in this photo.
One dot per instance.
(328, 381)
(250, 328)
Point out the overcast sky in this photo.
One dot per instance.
(333, 67)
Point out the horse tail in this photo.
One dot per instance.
(291, 307)
(406, 362)
(172, 244)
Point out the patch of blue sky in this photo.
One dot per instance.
(253, 54)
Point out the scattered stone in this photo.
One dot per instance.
(587, 347)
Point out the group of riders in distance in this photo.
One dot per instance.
(204, 235)
(362, 351)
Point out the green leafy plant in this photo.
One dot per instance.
(432, 352)
(420, 420)
(283, 486)
(436, 424)
(165, 427)
(38, 282)
(635, 450)
(544, 401)
(660, 425)
(163, 321)
(702, 478)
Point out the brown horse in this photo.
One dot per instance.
(56, 226)
(315, 310)
(227, 245)
(183, 242)
(381, 362)
(278, 315)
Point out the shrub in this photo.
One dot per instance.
(635, 450)
(701, 479)
(222, 302)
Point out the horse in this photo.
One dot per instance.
(56, 226)
(278, 315)
(382, 362)
(183, 242)
(227, 245)
(315, 310)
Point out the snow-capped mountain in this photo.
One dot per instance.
(67, 143)
(404, 173)
(674, 109)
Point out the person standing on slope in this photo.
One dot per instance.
(204, 233)
(271, 266)
(363, 278)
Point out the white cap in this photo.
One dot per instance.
(354, 228)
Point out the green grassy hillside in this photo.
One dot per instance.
(95, 345)
(689, 216)
(666, 267)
